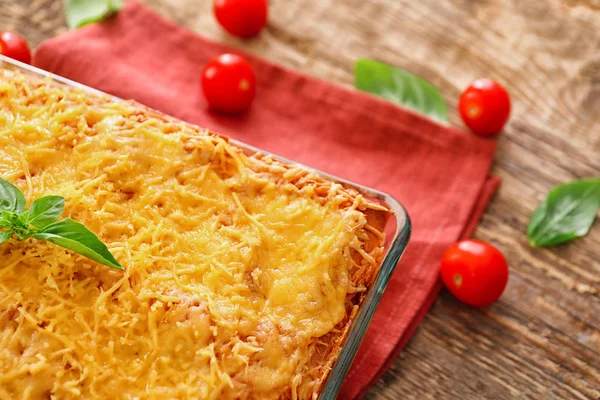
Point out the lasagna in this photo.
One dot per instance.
(242, 273)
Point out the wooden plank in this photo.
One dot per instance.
(542, 340)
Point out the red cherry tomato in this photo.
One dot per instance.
(484, 107)
(228, 83)
(243, 18)
(14, 46)
(475, 272)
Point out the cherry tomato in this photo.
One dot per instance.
(475, 272)
(228, 83)
(243, 18)
(14, 46)
(484, 107)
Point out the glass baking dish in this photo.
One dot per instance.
(398, 232)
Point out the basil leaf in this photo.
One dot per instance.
(83, 12)
(5, 235)
(44, 211)
(567, 213)
(42, 216)
(400, 87)
(76, 237)
(11, 197)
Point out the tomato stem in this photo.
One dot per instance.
(457, 280)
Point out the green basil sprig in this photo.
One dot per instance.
(568, 212)
(41, 222)
(83, 12)
(400, 87)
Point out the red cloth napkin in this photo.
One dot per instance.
(439, 173)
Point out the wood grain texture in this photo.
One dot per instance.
(542, 339)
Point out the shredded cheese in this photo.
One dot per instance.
(238, 268)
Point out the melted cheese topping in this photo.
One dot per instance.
(233, 273)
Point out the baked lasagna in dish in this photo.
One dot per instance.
(242, 273)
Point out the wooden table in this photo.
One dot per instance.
(542, 339)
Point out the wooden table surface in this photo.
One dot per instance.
(542, 339)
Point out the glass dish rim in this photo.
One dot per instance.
(393, 251)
